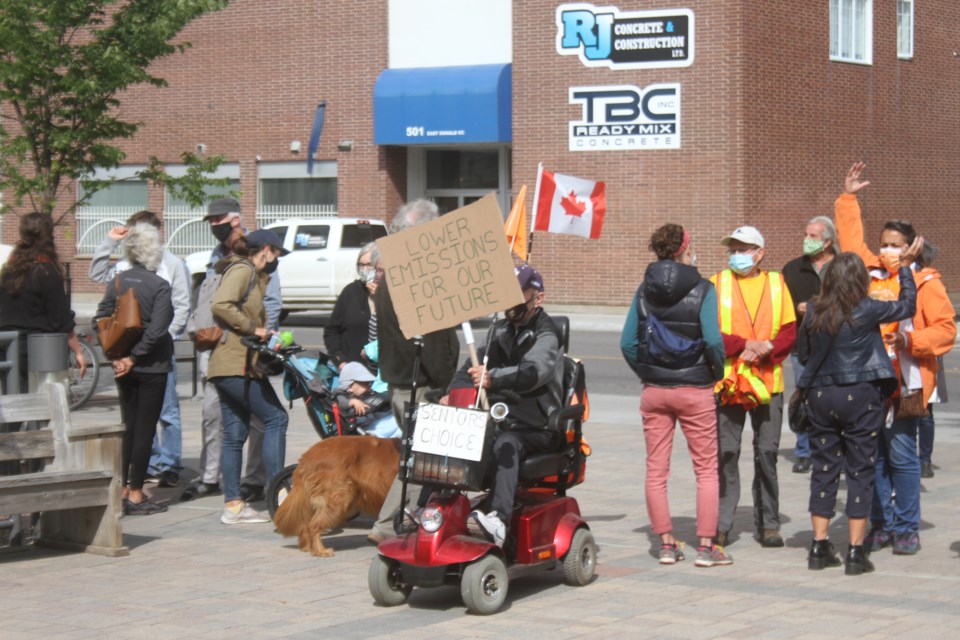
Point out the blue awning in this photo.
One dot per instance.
(443, 105)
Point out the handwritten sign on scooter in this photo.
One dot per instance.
(451, 270)
(450, 431)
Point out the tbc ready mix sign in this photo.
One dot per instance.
(626, 117)
(608, 37)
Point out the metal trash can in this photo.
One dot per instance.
(47, 359)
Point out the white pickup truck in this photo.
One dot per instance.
(321, 262)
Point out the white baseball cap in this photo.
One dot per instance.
(746, 235)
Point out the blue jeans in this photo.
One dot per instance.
(168, 442)
(239, 399)
(926, 436)
(898, 470)
(802, 450)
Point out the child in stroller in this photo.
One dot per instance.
(361, 408)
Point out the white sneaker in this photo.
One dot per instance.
(490, 525)
(243, 515)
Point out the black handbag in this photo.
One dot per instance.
(798, 413)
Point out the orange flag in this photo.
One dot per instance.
(516, 225)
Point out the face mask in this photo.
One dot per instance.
(890, 258)
(367, 274)
(517, 313)
(812, 247)
(270, 267)
(221, 231)
(741, 263)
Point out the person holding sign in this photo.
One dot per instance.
(437, 364)
(524, 356)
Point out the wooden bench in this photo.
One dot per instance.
(77, 492)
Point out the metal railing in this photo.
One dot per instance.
(268, 214)
(187, 231)
(93, 223)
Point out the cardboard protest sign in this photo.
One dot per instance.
(450, 270)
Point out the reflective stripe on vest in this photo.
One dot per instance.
(759, 388)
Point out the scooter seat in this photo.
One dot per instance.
(541, 465)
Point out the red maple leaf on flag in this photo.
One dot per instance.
(572, 205)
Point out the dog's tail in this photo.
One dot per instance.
(294, 512)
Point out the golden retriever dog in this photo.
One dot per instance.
(336, 479)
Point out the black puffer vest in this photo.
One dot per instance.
(674, 293)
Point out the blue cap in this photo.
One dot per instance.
(265, 238)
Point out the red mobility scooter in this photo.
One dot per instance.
(546, 532)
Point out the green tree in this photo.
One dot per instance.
(64, 65)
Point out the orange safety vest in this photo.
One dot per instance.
(743, 383)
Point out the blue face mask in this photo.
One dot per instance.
(741, 263)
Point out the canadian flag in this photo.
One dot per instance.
(565, 204)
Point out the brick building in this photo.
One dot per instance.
(765, 105)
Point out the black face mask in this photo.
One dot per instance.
(221, 231)
(270, 267)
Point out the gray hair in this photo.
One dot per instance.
(829, 231)
(414, 213)
(373, 250)
(142, 246)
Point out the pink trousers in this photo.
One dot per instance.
(695, 409)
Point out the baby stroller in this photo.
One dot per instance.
(310, 375)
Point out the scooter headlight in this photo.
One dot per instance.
(431, 519)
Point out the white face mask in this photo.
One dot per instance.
(367, 274)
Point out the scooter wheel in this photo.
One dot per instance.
(580, 563)
(484, 585)
(383, 580)
(279, 488)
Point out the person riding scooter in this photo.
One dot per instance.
(524, 357)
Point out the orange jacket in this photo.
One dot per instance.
(934, 325)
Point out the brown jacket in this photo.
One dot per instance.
(239, 317)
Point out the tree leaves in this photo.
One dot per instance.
(64, 65)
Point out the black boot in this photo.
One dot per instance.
(822, 555)
(858, 561)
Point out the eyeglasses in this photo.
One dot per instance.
(361, 265)
(747, 251)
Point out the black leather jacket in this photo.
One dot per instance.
(857, 354)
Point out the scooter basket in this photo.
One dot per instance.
(444, 471)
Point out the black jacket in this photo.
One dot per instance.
(674, 293)
(348, 329)
(527, 361)
(857, 354)
(39, 307)
(438, 359)
(155, 349)
(803, 281)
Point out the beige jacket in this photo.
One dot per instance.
(238, 317)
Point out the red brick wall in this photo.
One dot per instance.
(769, 125)
(701, 185)
(249, 86)
(808, 119)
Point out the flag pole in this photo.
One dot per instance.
(533, 218)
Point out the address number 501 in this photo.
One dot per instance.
(413, 132)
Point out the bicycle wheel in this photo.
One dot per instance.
(81, 389)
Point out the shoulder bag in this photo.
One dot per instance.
(798, 413)
(121, 330)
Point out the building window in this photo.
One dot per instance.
(186, 230)
(851, 31)
(905, 29)
(108, 207)
(286, 191)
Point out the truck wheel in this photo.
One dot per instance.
(383, 580)
(279, 488)
(580, 563)
(484, 585)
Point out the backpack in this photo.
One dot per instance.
(666, 347)
(202, 327)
